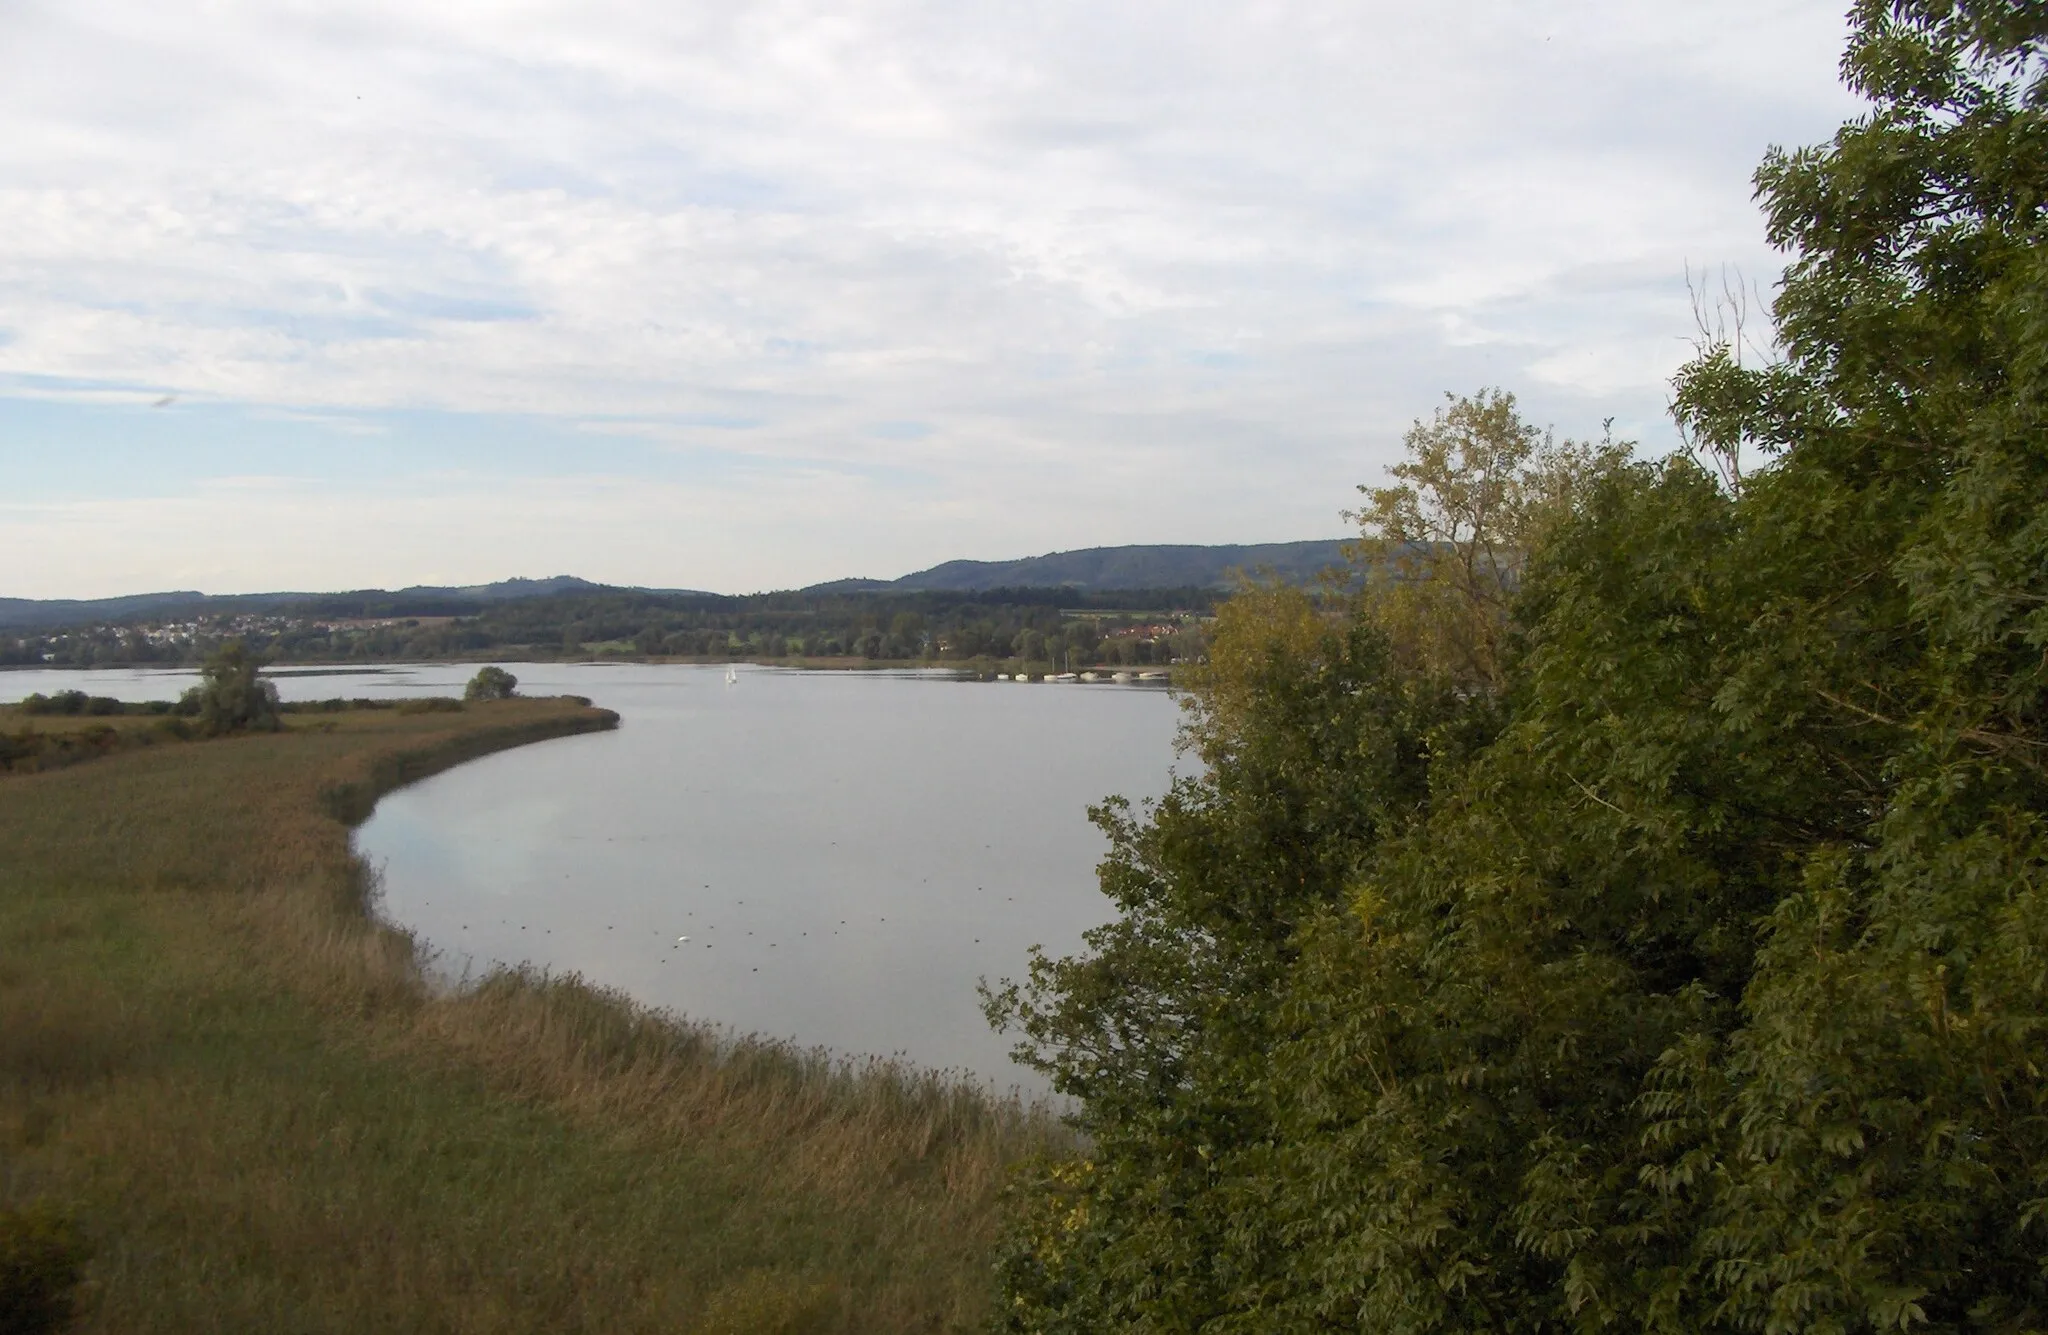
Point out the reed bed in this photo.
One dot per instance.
(262, 1113)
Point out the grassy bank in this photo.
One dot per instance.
(238, 1085)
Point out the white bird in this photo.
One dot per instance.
(682, 938)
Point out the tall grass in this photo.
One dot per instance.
(263, 1116)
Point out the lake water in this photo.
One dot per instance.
(848, 853)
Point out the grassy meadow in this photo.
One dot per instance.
(262, 1117)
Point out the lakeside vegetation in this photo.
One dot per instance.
(1632, 915)
(1622, 908)
(233, 1087)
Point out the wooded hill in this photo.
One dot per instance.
(1094, 569)
(1136, 567)
(190, 604)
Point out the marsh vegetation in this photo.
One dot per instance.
(236, 1086)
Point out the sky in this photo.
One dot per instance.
(673, 293)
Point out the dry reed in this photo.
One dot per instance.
(264, 1115)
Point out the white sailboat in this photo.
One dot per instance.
(732, 676)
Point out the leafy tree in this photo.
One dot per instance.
(1680, 969)
(1444, 546)
(491, 683)
(1312, 752)
(1885, 1155)
(230, 696)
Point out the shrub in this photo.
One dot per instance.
(230, 697)
(29, 751)
(63, 702)
(491, 683)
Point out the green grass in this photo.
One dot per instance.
(262, 1118)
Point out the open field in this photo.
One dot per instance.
(238, 1084)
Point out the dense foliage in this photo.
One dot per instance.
(230, 697)
(71, 703)
(491, 683)
(32, 750)
(1690, 975)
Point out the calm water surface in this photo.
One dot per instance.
(848, 853)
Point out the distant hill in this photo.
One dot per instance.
(1090, 568)
(30, 613)
(415, 600)
(508, 590)
(1151, 566)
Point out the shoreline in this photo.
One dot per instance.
(978, 670)
(214, 1012)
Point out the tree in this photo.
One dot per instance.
(1444, 547)
(1890, 1161)
(230, 696)
(491, 683)
(1163, 1031)
(1672, 961)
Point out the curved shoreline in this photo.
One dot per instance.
(239, 1089)
(352, 801)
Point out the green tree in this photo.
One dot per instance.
(1444, 546)
(491, 683)
(1680, 969)
(1313, 751)
(230, 697)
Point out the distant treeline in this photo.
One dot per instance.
(1052, 626)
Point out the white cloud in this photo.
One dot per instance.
(1040, 231)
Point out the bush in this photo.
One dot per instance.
(69, 702)
(29, 751)
(229, 697)
(491, 683)
(42, 1260)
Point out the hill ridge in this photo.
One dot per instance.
(1130, 566)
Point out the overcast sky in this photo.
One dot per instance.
(302, 295)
